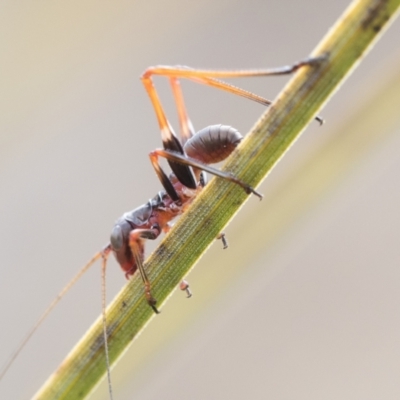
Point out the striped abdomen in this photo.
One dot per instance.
(213, 143)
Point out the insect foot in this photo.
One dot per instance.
(184, 285)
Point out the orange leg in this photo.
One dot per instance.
(105, 254)
(174, 152)
(136, 238)
(187, 130)
(211, 78)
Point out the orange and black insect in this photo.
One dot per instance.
(189, 156)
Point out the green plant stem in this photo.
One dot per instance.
(296, 105)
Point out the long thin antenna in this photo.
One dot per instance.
(105, 254)
(49, 309)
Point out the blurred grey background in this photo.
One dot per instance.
(308, 311)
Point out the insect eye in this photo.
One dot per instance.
(117, 239)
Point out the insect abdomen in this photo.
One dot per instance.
(213, 143)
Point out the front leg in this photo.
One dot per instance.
(136, 239)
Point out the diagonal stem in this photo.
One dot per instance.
(343, 47)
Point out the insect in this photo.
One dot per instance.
(189, 157)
